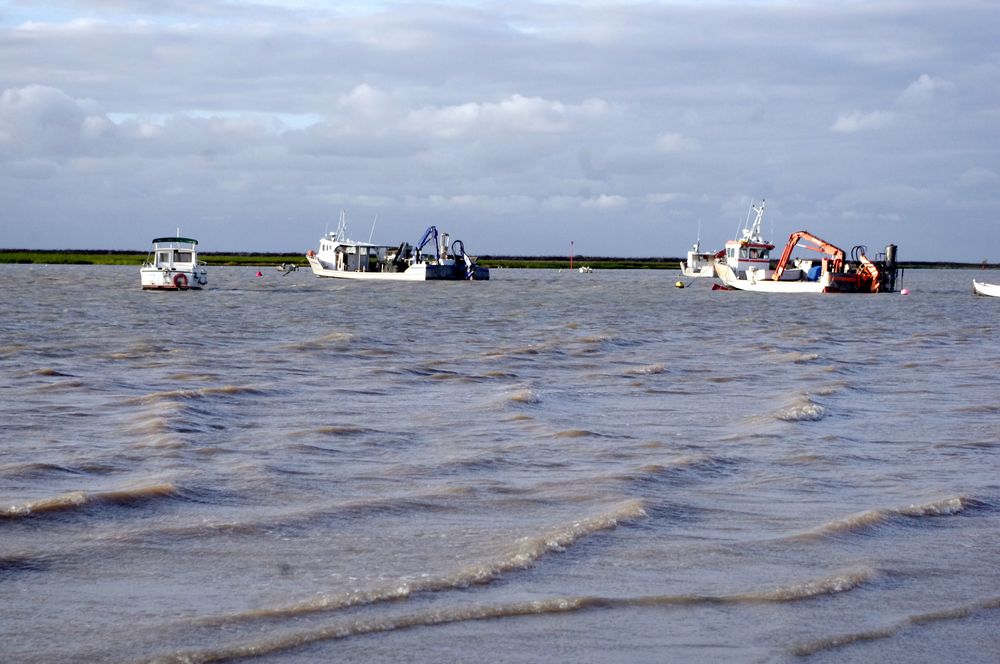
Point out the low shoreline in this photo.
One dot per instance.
(254, 259)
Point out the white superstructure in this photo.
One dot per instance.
(173, 264)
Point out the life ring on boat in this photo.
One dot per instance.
(181, 281)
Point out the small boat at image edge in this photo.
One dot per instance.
(172, 264)
(983, 288)
(340, 257)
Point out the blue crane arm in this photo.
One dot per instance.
(431, 232)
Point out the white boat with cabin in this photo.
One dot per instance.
(983, 288)
(746, 266)
(173, 264)
(340, 257)
(699, 263)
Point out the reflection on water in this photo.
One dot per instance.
(543, 467)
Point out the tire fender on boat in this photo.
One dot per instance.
(181, 281)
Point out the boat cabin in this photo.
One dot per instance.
(173, 253)
(744, 254)
(356, 256)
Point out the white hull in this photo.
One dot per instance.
(758, 281)
(153, 278)
(707, 271)
(416, 272)
(981, 288)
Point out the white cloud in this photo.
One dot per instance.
(41, 120)
(855, 121)
(606, 202)
(979, 176)
(516, 114)
(662, 198)
(672, 142)
(925, 88)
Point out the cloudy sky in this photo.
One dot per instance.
(626, 127)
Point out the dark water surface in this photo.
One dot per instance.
(545, 467)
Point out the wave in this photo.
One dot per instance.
(323, 341)
(33, 470)
(884, 516)
(646, 370)
(688, 462)
(805, 410)
(982, 408)
(797, 357)
(831, 388)
(525, 396)
(71, 384)
(577, 433)
(511, 352)
(46, 371)
(522, 555)
(842, 640)
(80, 499)
(499, 374)
(196, 393)
(473, 612)
(12, 565)
(343, 430)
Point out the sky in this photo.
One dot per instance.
(611, 127)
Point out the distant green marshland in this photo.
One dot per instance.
(104, 257)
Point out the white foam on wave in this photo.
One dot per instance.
(804, 410)
(918, 620)
(882, 516)
(472, 612)
(77, 499)
(523, 553)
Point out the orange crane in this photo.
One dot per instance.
(868, 271)
(832, 253)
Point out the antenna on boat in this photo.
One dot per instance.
(746, 222)
(178, 231)
(370, 235)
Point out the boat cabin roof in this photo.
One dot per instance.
(174, 240)
(351, 243)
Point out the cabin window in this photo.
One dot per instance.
(732, 253)
(743, 252)
(163, 257)
(182, 256)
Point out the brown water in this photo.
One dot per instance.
(543, 467)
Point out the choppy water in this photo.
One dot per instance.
(543, 467)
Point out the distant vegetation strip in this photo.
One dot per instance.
(97, 257)
(105, 257)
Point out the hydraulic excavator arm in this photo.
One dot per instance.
(430, 234)
(834, 253)
(870, 271)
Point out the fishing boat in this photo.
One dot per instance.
(983, 288)
(699, 263)
(833, 273)
(746, 265)
(340, 257)
(172, 264)
(586, 269)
